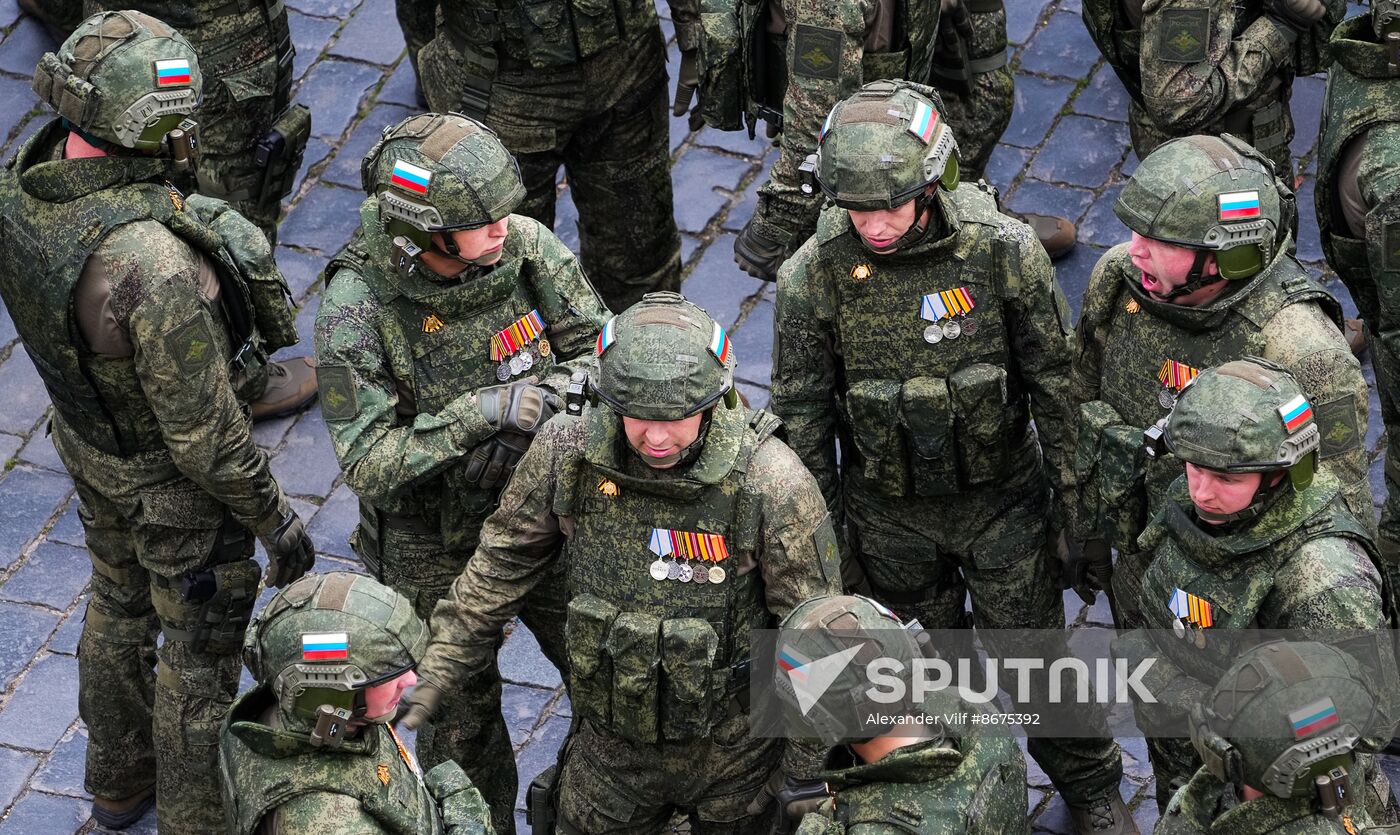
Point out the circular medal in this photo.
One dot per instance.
(658, 570)
(716, 575)
(702, 574)
(1179, 628)
(952, 329)
(503, 371)
(933, 334)
(969, 326)
(1167, 398)
(535, 352)
(686, 573)
(515, 366)
(673, 572)
(526, 361)
(1200, 638)
(544, 347)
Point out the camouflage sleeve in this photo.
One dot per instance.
(572, 309)
(1304, 340)
(1195, 70)
(1379, 177)
(380, 453)
(798, 552)
(309, 814)
(518, 543)
(804, 370)
(1330, 583)
(182, 363)
(685, 15)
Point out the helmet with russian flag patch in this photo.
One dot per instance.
(1284, 715)
(439, 173)
(320, 642)
(1214, 194)
(883, 146)
(123, 79)
(664, 358)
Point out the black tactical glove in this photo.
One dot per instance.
(687, 80)
(1297, 15)
(290, 552)
(491, 463)
(757, 253)
(422, 704)
(1085, 566)
(795, 798)
(517, 407)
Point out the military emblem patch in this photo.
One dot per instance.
(818, 52)
(1185, 35)
(192, 344)
(338, 401)
(432, 324)
(824, 538)
(1336, 420)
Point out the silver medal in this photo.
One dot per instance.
(716, 575)
(516, 366)
(673, 572)
(1200, 638)
(503, 371)
(933, 334)
(686, 573)
(526, 361)
(1167, 398)
(969, 326)
(952, 329)
(1179, 628)
(535, 351)
(658, 570)
(702, 574)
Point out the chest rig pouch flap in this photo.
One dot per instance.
(586, 629)
(1110, 474)
(873, 407)
(546, 33)
(633, 644)
(927, 414)
(980, 405)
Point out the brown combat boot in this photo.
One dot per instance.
(291, 388)
(120, 814)
(1355, 332)
(1056, 234)
(1110, 817)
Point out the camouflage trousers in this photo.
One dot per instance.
(924, 556)
(468, 726)
(418, 22)
(979, 119)
(1271, 137)
(606, 124)
(153, 715)
(609, 785)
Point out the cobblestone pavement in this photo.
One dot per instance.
(1065, 152)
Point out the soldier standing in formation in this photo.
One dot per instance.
(684, 525)
(145, 313)
(311, 744)
(444, 335)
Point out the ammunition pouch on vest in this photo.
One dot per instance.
(1109, 471)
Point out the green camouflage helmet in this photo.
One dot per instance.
(439, 173)
(123, 78)
(883, 146)
(1246, 416)
(324, 639)
(1283, 715)
(1385, 17)
(1210, 193)
(832, 625)
(664, 358)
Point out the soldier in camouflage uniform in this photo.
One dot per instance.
(1208, 277)
(141, 311)
(1251, 537)
(60, 17)
(310, 749)
(601, 65)
(442, 337)
(684, 525)
(1213, 66)
(1262, 769)
(1358, 210)
(922, 327)
(952, 782)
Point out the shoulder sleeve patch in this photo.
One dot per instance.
(1336, 420)
(817, 52)
(192, 345)
(824, 539)
(1185, 34)
(337, 386)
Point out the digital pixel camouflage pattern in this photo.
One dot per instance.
(971, 72)
(1208, 67)
(1358, 213)
(601, 65)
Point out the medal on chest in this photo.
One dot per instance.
(949, 311)
(519, 346)
(1193, 616)
(687, 557)
(1174, 376)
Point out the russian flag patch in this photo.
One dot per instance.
(924, 122)
(719, 344)
(606, 336)
(324, 646)
(410, 177)
(1239, 205)
(792, 662)
(1295, 413)
(1317, 716)
(172, 72)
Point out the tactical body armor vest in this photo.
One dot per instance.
(264, 767)
(928, 398)
(451, 328)
(52, 227)
(1157, 347)
(1362, 92)
(656, 656)
(547, 33)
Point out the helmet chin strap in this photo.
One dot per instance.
(1195, 279)
(450, 250)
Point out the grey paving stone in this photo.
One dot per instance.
(566, 219)
(401, 87)
(25, 399)
(306, 324)
(757, 395)
(522, 662)
(309, 36)
(1146, 814)
(1309, 92)
(753, 344)
(301, 269)
(63, 773)
(326, 8)
(372, 35)
(741, 211)
(735, 141)
(306, 466)
(1104, 97)
(40, 452)
(316, 151)
(540, 753)
(332, 525)
(1062, 47)
(689, 243)
(38, 812)
(30, 498)
(1309, 239)
(30, 127)
(19, 100)
(1038, 102)
(9, 447)
(53, 575)
(21, 51)
(43, 706)
(1073, 273)
(1081, 151)
(522, 707)
(1101, 226)
(7, 327)
(1006, 164)
(333, 89)
(26, 628)
(68, 528)
(9, 13)
(65, 638)
(697, 176)
(324, 219)
(718, 285)
(345, 168)
(15, 768)
(1022, 17)
(1065, 201)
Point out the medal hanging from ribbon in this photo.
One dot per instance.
(1194, 610)
(701, 552)
(1174, 376)
(949, 312)
(518, 347)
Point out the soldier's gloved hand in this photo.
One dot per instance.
(422, 704)
(687, 81)
(1086, 566)
(517, 407)
(758, 254)
(290, 552)
(1298, 15)
(493, 460)
(798, 798)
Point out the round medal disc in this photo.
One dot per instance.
(526, 361)
(1167, 398)
(503, 371)
(716, 575)
(933, 334)
(515, 366)
(658, 570)
(544, 347)
(686, 573)
(1200, 637)
(952, 329)
(702, 574)
(673, 572)
(1179, 628)
(535, 352)
(969, 326)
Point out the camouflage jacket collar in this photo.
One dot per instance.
(606, 445)
(922, 762)
(61, 180)
(1206, 317)
(1211, 807)
(1354, 46)
(244, 722)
